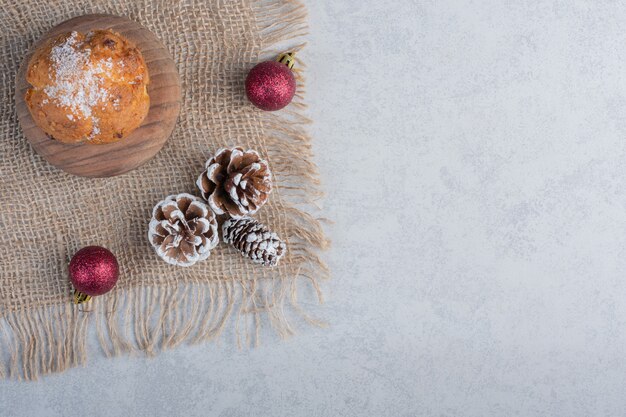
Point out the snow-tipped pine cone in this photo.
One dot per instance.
(254, 240)
(183, 230)
(235, 182)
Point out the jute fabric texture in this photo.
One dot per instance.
(48, 215)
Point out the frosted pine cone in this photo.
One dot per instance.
(254, 240)
(235, 182)
(183, 230)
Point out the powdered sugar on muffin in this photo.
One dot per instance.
(78, 84)
(89, 87)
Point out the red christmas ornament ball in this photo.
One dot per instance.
(270, 85)
(94, 270)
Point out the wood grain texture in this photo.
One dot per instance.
(142, 144)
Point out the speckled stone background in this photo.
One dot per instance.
(474, 154)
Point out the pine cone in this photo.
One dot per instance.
(254, 240)
(235, 182)
(183, 230)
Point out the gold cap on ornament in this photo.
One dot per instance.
(81, 297)
(287, 58)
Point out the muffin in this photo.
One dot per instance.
(88, 88)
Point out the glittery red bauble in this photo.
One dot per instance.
(270, 85)
(94, 270)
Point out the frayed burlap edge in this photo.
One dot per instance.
(52, 338)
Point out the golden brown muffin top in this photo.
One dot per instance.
(88, 86)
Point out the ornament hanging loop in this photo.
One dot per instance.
(287, 58)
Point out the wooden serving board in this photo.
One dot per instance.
(142, 144)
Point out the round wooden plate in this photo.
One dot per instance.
(142, 144)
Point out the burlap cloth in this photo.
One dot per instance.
(47, 214)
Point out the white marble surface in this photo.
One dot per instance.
(474, 154)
